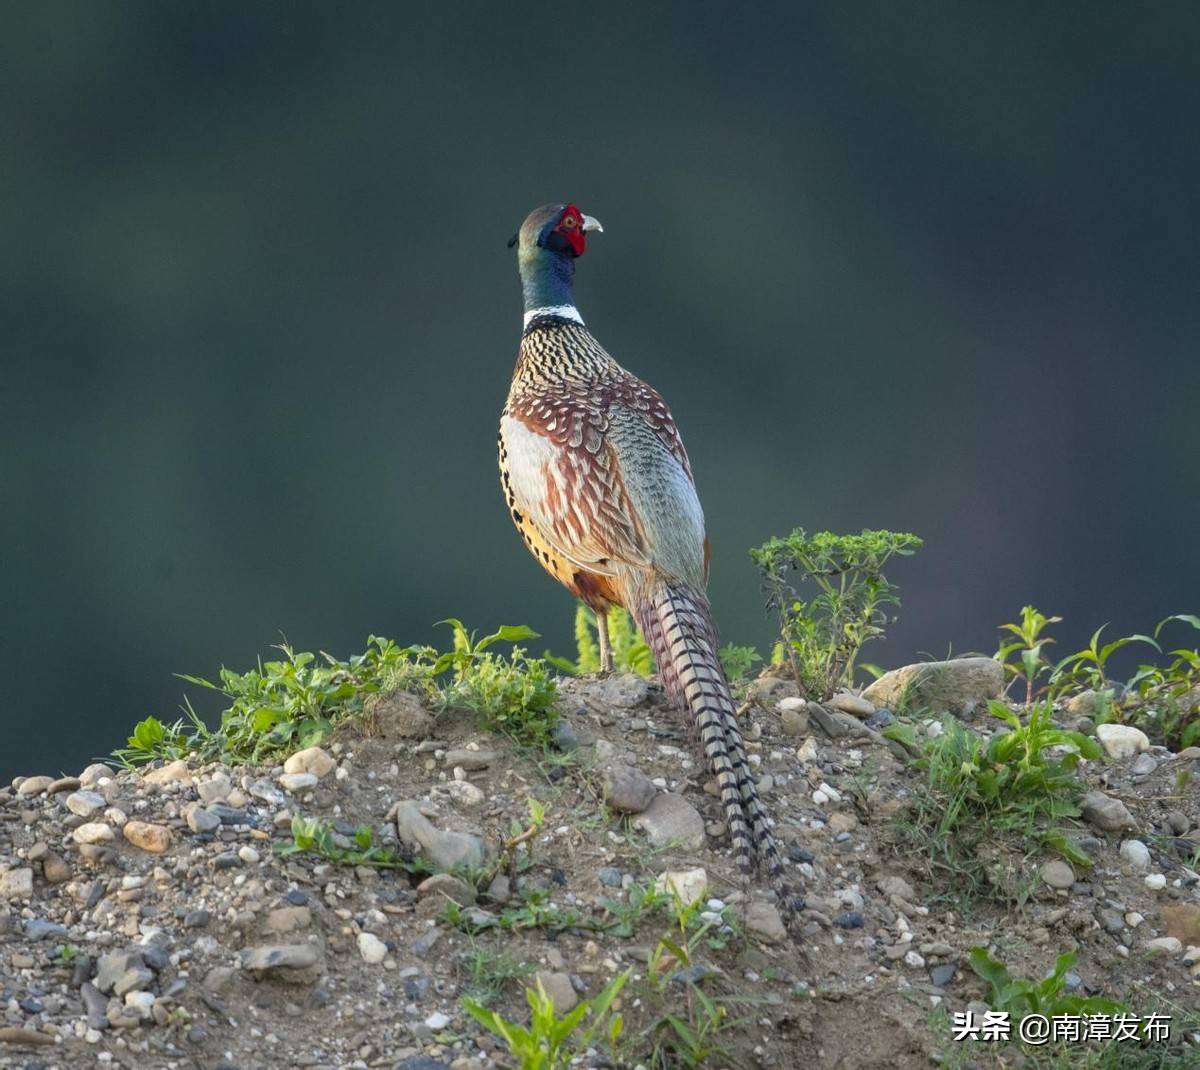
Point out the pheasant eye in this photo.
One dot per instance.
(569, 221)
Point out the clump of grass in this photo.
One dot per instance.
(832, 597)
(297, 700)
(1021, 781)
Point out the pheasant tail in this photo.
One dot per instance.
(678, 626)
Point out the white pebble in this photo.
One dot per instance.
(1155, 881)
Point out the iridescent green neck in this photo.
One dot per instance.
(547, 279)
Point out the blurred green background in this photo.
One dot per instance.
(928, 267)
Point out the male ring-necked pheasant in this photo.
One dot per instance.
(600, 488)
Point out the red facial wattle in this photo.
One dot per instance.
(570, 226)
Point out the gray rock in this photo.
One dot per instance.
(1137, 854)
(1143, 765)
(201, 820)
(445, 850)
(627, 790)
(1122, 740)
(116, 964)
(36, 929)
(610, 877)
(424, 943)
(1057, 874)
(958, 686)
(559, 988)
(283, 962)
(850, 703)
(1106, 813)
(85, 803)
(829, 721)
(565, 737)
(670, 818)
(898, 887)
(94, 1005)
(469, 759)
(764, 920)
(93, 774)
(449, 886)
(17, 883)
(942, 975)
(132, 980)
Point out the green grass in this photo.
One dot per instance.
(310, 836)
(299, 699)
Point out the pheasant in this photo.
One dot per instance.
(600, 488)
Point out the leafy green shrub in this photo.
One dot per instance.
(1030, 664)
(548, 1043)
(822, 635)
(629, 650)
(738, 662)
(514, 695)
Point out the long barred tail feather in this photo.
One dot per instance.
(678, 626)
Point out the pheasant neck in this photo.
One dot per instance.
(547, 283)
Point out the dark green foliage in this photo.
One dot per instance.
(824, 627)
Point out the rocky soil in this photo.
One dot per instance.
(147, 919)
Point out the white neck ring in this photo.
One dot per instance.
(566, 312)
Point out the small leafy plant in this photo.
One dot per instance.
(822, 634)
(549, 1043)
(1030, 664)
(629, 650)
(1019, 997)
(311, 836)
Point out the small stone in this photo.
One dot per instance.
(1057, 874)
(283, 961)
(499, 890)
(249, 855)
(288, 919)
(794, 722)
(879, 719)
(17, 883)
(688, 885)
(196, 919)
(1164, 945)
(294, 782)
(1143, 765)
(147, 836)
(169, 773)
(627, 790)
(1122, 740)
(1106, 813)
(55, 869)
(216, 789)
(559, 988)
(93, 832)
(850, 703)
(1156, 882)
(310, 760)
(624, 690)
(850, 919)
(63, 783)
(371, 948)
(1137, 854)
(85, 803)
(914, 959)
(941, 976)
(136, 977)
(469, 759)
(463, 792)
(610, 877)
(671, 819)
(93, 774)
(202, 821)
(437, 1020)
(449, 886)
(34, 785)
(896, 886)
(444, 849)
(423, 944)
(764, 920)
(37, 929)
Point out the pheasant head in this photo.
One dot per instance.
(549, 241)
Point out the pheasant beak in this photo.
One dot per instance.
(591, 223)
